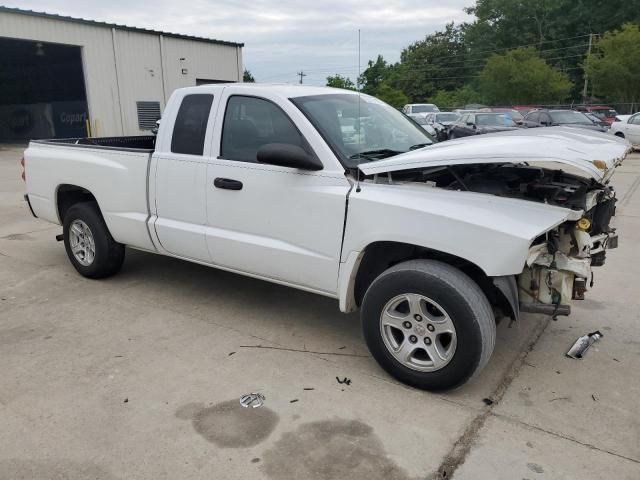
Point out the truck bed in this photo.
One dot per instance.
(114, 170)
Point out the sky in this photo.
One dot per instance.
(281, 37)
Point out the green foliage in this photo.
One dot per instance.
(521, 76)
(373, 76)
(451, 99)
(614, 67)
(247, 77)
(442, 63)
(437, 62)
(338, 81)
(392, 96)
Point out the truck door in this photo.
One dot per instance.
(275, 222)
(180, 193)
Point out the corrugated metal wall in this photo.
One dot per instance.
(122, 67)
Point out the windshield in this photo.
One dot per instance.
(447, 117)
(360, 131)
(493, 120)
(604, 113)
(569, 117)
(422, 108)
(514, 115)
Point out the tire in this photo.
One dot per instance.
(97, 254)
(452, 136)
(450, 302)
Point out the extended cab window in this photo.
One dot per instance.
(250, 123)
(191, 124)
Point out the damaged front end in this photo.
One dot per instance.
(559, 265)
(558, 167)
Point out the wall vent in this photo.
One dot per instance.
(148, 114)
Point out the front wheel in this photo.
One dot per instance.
(89, 244)
(428, 324)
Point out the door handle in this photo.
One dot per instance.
(227, 184)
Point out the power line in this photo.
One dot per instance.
(459, 60)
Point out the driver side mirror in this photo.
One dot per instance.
(287, 155)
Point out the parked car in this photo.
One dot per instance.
(440, 123)
(604, 113)
(267, 181)
(596, 121)
(553, 118)
(419, 109)
(422, 121)
(627, 126)
(512, 113)
(479, 123)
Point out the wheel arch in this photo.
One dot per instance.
(619, 134)
(67, 195)
(378, 256)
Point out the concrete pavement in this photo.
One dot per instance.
(138, 376)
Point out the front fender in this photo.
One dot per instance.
(492, 232)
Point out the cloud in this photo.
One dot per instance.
(285, 36)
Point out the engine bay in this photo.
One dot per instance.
(554, 187)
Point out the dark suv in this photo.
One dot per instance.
(478, 122)
(552, 118)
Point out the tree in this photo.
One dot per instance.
(247, 77)
(521, 76)
(614, 67)
(437, 62)
(392, 96)
(558, 29)
(450, 99)
(373, 76)
(338, 81)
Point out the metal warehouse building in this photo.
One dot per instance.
(69, 77)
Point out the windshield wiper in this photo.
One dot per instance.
(371, 154)
(419, 145)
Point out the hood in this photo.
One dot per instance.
(597, 128)
(592, 153)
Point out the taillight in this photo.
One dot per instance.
(24, 178)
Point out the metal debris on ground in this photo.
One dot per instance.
(231, 353)
(253, 400)
(487, 401)
(344, 381)
(308, 388)
(126, 400)
(583, 343)
(593, 395)
(294, 400)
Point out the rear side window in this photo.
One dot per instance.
(250, 123)
(191, 124)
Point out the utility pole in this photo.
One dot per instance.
(301, 74)
(586, 78)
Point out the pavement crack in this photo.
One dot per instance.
(519, 422)
(285, 349)
(457, 455)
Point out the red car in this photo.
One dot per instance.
(604, 113)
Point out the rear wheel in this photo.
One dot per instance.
(428, 324)
(89, 245)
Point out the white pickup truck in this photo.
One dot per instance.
(339, 194)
